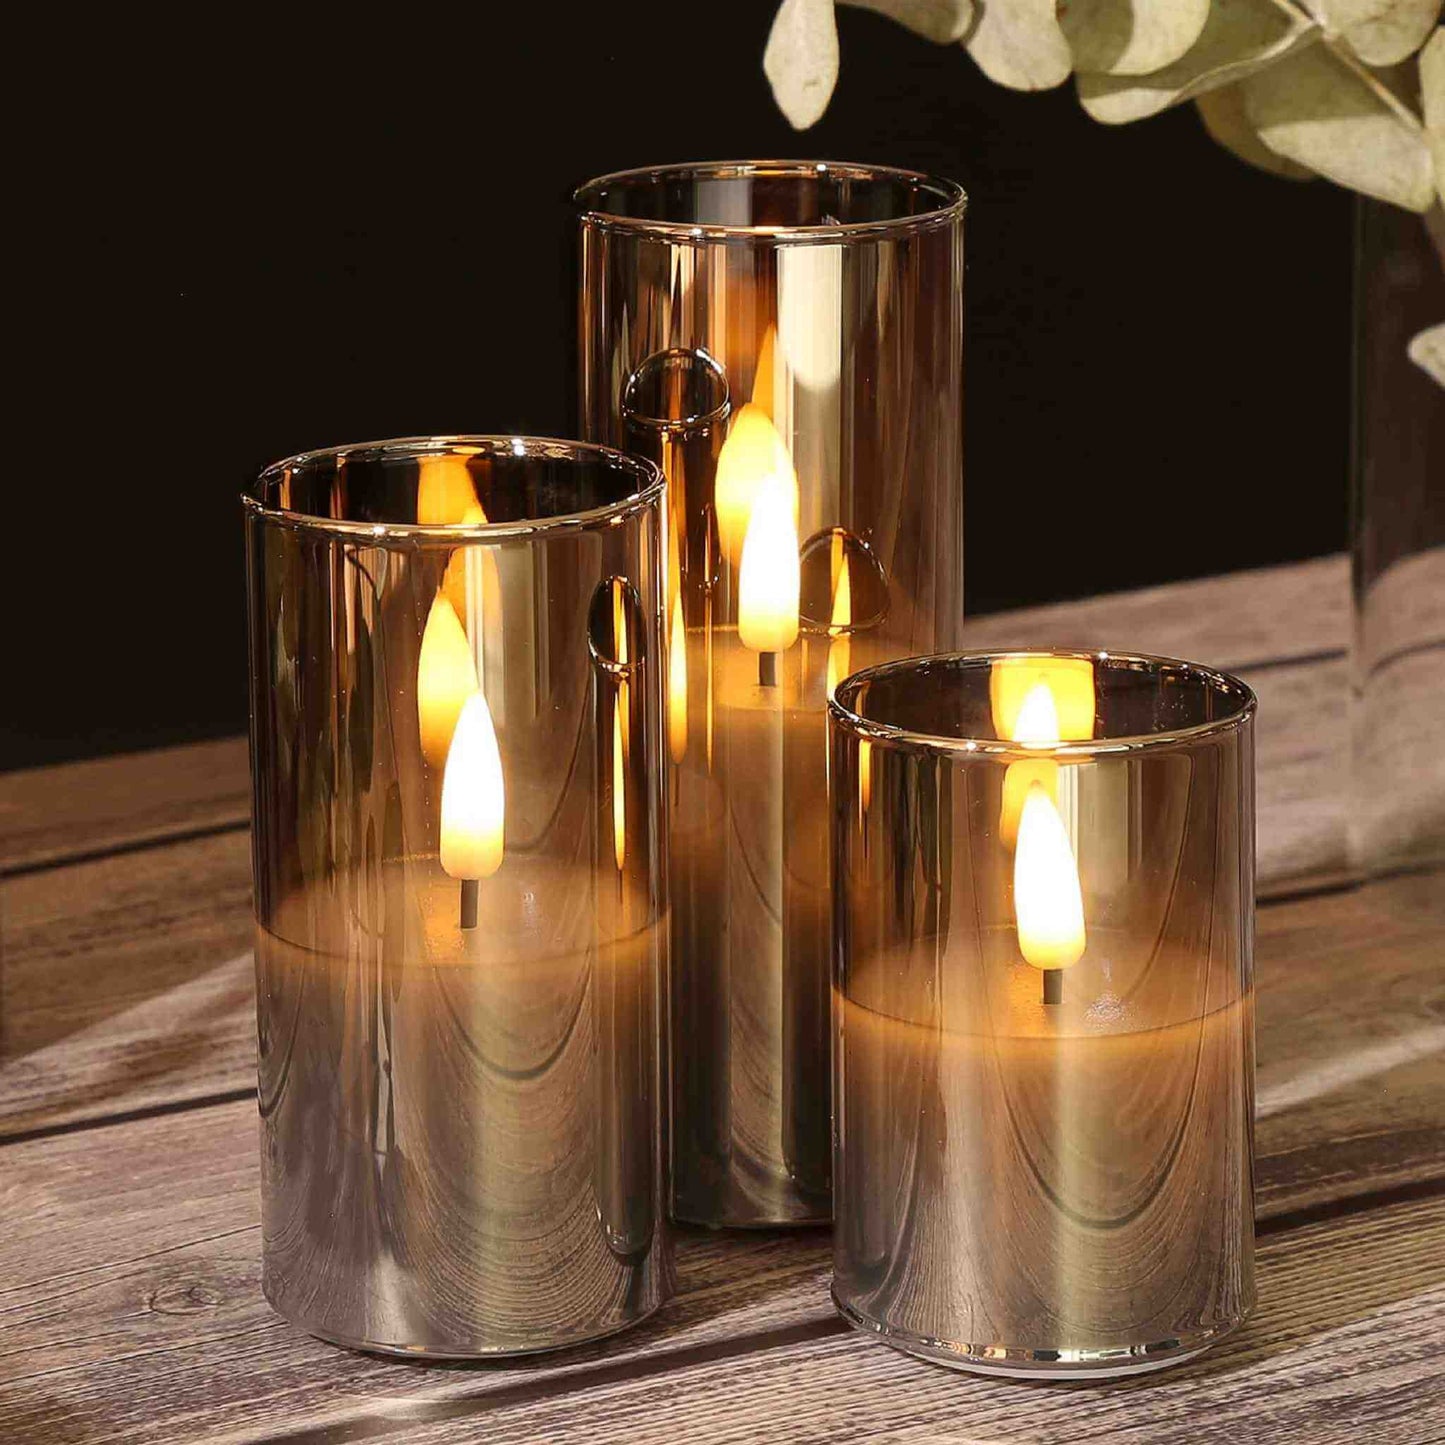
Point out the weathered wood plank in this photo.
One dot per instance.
(1343, 1348)
(124, 1006)
(126, 982)
(140, 1240)
(76, 809)
(1350, 1017)
(1302, 764)
(130, 1294)
(130, 1308)
(1237, 620)
(71, 810)
(1253, 623)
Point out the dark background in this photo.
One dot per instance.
(252, 240)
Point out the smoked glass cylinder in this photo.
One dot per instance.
(785, 340)
(460, 908)
(1397, 803)
(1043, 1009)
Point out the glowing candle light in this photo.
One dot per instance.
(1069, 681)
(1040, 701)
(446, 676)
(444, 490)
(1048, 902)
(620, 740)
(769, 578)
(840, 650)
(763, 377)
(676, 647)
(752, 457)
(473, 804)
(677, 684)
(463, 567)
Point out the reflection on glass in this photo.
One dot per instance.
(785, 341)
(459, 873)
(1044, 1040)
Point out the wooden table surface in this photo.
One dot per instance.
(130, 1300)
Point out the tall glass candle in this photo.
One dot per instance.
(785, 339)
(456, 748)
(1043, 1009)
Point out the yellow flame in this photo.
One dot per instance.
(677, 684)
(473, 796)
(865, 774)
(1048, 902)
(620, 740)
(1018, 780)
(454, 583)
(444, 491)
(1033, 717)
(840, 650)
(752, 456)
(619, 791)
(769, 578)
(1013, 681)
(763, 376)
(1037, 720)
(446, 676)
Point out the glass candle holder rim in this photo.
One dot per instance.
(952, 198)
(843, 714)
(648, 492)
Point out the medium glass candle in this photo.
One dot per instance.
(1043, 1011)
(460, 928)
(785, 339)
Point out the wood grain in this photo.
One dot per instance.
(130, 1308)
(1343, 1348)
(1235, 621)
(129, 1255)
(71, 810)
(130, 1304)
(1350, 1001)
(1302, 766)
(126, 982)
(130, 1280)
(1284, 630)
(143, 996)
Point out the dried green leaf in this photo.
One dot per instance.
(1239, 38)
(1380, 32)
(1432, 98)
(942, 21)
(1130, 37)
(1222, 112)
(1427, 351)
(1018, 43)
(1322, 112)
(801, 59)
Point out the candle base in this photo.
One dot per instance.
(389, 1349)
(1021, 1363)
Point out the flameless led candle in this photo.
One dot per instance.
(785, 341)
(460, 921)
(1049, 1180)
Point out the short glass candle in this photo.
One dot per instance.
(1043, 1009)
(460, 927)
